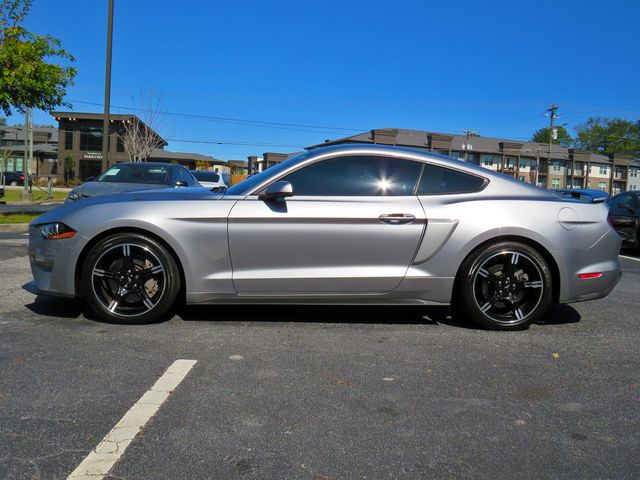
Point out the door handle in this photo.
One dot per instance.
(397, 218)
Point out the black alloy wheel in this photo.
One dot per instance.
(130, 278)
(506, 286)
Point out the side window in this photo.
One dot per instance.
(441, 180)
(184, 176)
(356, 176)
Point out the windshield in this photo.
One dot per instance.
(246, 186)
(205, 176)
(135, 173)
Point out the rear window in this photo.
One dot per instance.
(206, 176)
(440, 180)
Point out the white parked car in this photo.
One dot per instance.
(210, 179)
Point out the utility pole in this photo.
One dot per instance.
(551, 113)
(25, 196)
(468, 132)
(107, 91)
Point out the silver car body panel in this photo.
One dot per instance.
(237, 248)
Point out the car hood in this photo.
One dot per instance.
(183, 194)
(91, 189)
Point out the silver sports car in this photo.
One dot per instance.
(356, 224)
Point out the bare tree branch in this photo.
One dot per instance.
(141, 136)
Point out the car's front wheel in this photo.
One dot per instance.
(130, 278)
(506, 286)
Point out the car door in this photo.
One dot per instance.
(352, 226)
(623, 214)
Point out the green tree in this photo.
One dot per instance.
(609, 136)
(69, 167)
(3, 122)
(542, 136)
(26, 79)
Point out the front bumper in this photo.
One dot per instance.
(601, 257)
(53, 263)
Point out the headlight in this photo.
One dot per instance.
(52, 231)
(73, 195)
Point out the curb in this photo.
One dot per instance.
(14, 227)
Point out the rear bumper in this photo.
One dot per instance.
(601, 257)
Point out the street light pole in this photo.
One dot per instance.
(107, 91)
(553, 108)
(468, 132)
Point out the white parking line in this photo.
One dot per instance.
(630, 258)
(102, 458)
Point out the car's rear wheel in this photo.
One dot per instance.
(506, 286)
(130, 278)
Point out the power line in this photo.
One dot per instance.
(229, 119)
(217, 142)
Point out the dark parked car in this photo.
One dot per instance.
(14, 178)
(624, 216)
(1, 190)
(134, 176)
(584, 194)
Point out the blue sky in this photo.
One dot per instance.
(492, 66)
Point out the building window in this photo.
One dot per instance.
(90, 139)
(632, 187)
(556, 167)
(602, 185)
(633, 172)
(603, 170)
(487, 160)
(555, 183)
(68, 140)
(521, 178)
(523, 164)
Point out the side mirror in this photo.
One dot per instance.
(90, 179)
(280, 189)
(180, 183)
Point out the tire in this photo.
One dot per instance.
(130, 278)
(496, 293)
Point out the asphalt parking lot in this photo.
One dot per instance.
(322, 393)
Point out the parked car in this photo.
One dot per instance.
(14, 178)
(209, 179)
(1, 190)
(585, 194)
(624, 215)
(133, 176)
(357, 224)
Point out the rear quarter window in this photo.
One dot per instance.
(438, 180)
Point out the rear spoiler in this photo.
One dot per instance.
(581, 196)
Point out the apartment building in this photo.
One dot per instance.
(530, 162)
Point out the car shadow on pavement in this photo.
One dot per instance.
(347, 314)
(406, 315)
(57, 307)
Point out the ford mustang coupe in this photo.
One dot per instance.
(357, 224)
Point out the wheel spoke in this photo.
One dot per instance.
(113, 305)
(515, 308)
(126, 255)
(145, 299)
(98, 272)
(149, 272)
